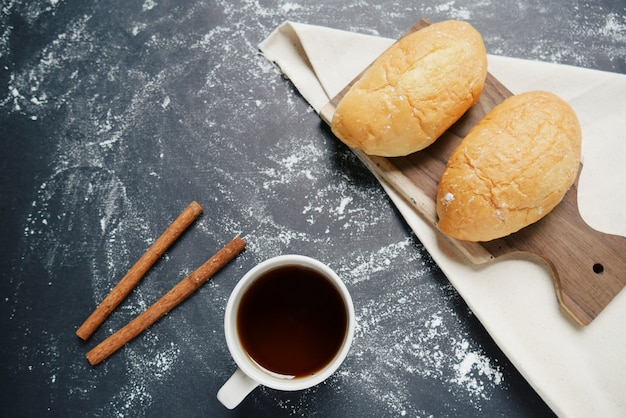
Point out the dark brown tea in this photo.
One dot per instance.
(292, 321)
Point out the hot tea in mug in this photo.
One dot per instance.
(289, 323)
(292, 321)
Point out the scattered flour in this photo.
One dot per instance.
(426, 347)
(459, 13)
(614, 27)
(148, 5)
(136, 393)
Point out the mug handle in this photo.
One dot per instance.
(236, 389)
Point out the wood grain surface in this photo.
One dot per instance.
(588, 267)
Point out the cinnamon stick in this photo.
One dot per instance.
(171, 299)
(138, 270)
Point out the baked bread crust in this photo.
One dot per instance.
(511, 169)
(414, 91)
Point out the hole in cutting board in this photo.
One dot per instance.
(598, 268)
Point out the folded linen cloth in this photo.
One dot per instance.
(578, 371)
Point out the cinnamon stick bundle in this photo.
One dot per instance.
(138, 270)
(171, 299)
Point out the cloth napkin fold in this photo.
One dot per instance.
(578, 371)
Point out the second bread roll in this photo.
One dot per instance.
(414, 91)
(511, 169)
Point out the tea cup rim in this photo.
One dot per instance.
(247, 365)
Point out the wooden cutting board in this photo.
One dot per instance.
(588, 267)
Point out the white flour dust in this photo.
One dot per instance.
(614, 27)
(423, 344)
(452, 11)
(144, 371)
(148, 5)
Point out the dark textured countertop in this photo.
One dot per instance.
(115, 115)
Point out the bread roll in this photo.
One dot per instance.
(511, 169)
(414, 91)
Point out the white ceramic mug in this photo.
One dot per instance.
(249, 373)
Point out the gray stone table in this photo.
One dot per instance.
(114, 115)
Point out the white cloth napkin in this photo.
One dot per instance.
(578, 371)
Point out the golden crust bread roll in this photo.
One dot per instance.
(414, 91)
(511, 169)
